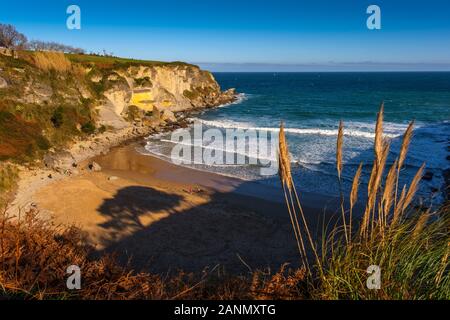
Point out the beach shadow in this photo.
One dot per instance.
(239, 233)
(129, 204)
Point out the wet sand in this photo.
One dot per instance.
(162, 217)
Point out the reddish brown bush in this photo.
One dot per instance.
(34, 256)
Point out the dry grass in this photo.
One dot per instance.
(297, 216)
(411, 246)
(48, 60)
(339, 144)
(339, 167)
(284, 160)
(354, 193)
(35, 254)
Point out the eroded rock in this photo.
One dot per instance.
(168, 116)
(59, 161)
(94, 166)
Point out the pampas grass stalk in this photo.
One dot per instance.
(403, 152)
(354, 195)
(339, 166)
(297, 231)
(293, 203)
(397, 209)
(285, 177)
(388, 192)
(284, 160)
(308, 233)
(381, 151)
(413, 188)
(420, 223)
(378, 180)
(339, 144)
(379, 141)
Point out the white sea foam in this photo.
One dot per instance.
(169, 158)
(227, 124)
(223, 150)
(240, 97)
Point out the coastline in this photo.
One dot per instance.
(62, 164)
(157, 214)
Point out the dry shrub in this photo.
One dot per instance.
(35, 254)
(19, 138)
(49, 60)
(8, 178)
(285, 284)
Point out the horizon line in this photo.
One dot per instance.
(326, 67)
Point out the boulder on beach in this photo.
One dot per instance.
(94, 166)
(59, 161)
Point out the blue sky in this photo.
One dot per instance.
(264, 35)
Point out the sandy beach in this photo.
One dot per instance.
(162, 217)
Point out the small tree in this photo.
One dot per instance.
(38, 45)
(11, 38)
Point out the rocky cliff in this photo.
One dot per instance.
(163, 88)
(48, 99)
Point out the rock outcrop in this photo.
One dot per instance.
(168, 116)
(94, 166)
(172, 88)
(60, 161)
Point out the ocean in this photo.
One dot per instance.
(311, 106)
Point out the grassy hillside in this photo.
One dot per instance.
(50, 97)
(117, 61)
(42, 105)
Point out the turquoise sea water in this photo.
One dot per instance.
(311, 105)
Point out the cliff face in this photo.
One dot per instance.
(172, 87)
(48, 99)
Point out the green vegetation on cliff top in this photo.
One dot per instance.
(110, 61)
(42, 105)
